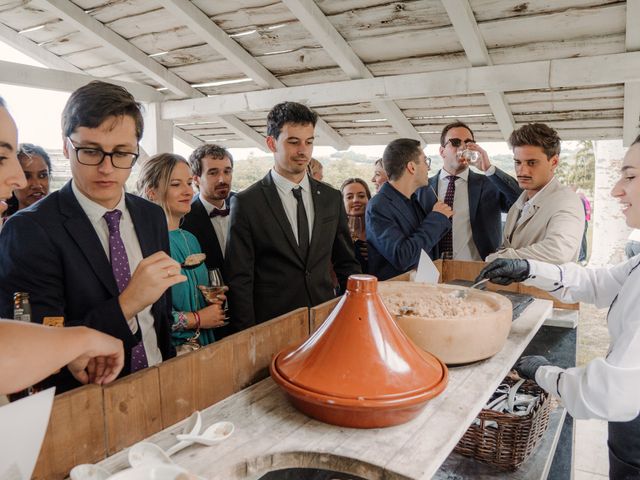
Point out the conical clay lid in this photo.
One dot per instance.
(360, 353)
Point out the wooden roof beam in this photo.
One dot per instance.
(312, 18)
(466, 27)
(544, 74)
(218, 39)
(631, 120)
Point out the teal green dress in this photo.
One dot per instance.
(185, 296)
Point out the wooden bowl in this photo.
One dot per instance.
(473, 328)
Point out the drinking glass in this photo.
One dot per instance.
(214, 288)
(355, 227)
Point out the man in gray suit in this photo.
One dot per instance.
(287, 231)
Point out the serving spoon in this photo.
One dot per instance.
(464, 293)
(215, 433)
(192, 427)
(194, 260)
(88, 471)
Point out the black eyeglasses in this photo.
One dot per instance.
(95, 156)
(456, 142)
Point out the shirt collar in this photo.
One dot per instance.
(285, 185)
(94, 210)
(536, 198)
(464, 175)
(209, 206)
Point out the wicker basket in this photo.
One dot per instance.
(513, 438)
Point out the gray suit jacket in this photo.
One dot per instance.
(550, 231)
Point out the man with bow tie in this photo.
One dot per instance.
(208, 220)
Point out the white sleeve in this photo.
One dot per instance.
(598, 390)
(573, 283)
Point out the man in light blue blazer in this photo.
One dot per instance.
(398, 226)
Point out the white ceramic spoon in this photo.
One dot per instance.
(148, 454)
(88, 471)
(192, 427)
(212, 435)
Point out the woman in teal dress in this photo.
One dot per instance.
(166, 179)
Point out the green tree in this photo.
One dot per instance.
(579, 169)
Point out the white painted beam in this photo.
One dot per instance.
(466, 28)
(341, 52)
(158, 133)
(31, 49)
(243, 130)
(88, 25)
(218, 39)
(64, 81)
(186, 138)
(546, 74)
(631, 121)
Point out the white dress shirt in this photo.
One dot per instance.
(220, 224)
(289, 202)
(96, 212)
(606, 388)
(464, 248)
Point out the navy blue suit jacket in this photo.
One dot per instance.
(489, 195)
(396, 235)
(52, 251)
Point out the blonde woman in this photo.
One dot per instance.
(166, 179)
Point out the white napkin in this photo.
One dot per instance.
(427, 270)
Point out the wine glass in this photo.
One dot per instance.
(355, 227)
(214, 288)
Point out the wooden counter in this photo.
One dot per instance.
(271, 435)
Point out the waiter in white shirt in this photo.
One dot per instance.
(606, 388)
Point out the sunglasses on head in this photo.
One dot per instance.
(456, 142)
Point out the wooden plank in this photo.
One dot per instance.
(196, 380)
(319, 313)
(76, 433)
(253, 348)
(132, 409)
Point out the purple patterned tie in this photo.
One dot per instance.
(122, 274)
(446, 244)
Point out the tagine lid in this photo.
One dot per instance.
(360, 353)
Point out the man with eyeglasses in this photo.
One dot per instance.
(477, 200)
(398, 226)
(90, 252)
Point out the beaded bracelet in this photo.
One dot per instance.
(182, 323)
(197, 315)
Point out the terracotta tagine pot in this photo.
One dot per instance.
(359, 369)
(458, 324)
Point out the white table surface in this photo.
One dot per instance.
(270, 434)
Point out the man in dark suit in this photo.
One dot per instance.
(208, 220)
(399, 227)
(478, 200)
(287, 230)
(89, 252)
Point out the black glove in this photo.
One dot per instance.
(504, 271)
(527, 366)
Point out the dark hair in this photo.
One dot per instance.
(398, 154)
(207, 150)
(27, 150)
(349, 181)
(637, 140)
(289, 112)
(92, 104)
(2, 104)
(537, 135)
(456, 124)
(378, 162)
